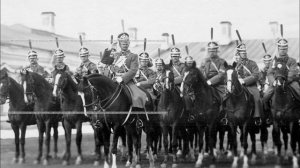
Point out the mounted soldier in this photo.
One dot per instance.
(213, 68)
(175, 65)
(291, 63)
(105, 64)
(159, 73)
(86, 65)
(248, 73)
(33, 60)
(189, 60)
(145, 77)
(263, 81)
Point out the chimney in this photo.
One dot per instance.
(165, 44)
(82, 34)
(132, 31)
(274, 28)
(48, 21)
(225, 33)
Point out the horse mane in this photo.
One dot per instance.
(200, 76)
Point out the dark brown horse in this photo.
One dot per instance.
(285, 111)
(172, 121)
(238, 106)
(13, 91)
(39, 91)
(203, 109)
(104, 96)
(65, 88)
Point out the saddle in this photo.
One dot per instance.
(294, 94)
(138, 97)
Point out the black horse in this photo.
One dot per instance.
(203, 108)
(105, 97)
(65, 88)
(285, 111)
(238, 107)
(13, 91)
(172, 121)
(39, 91)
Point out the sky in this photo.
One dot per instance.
(188, 20)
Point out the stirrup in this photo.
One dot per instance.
(224, 121)
(258, 122)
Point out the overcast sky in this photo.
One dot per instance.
(189, 20)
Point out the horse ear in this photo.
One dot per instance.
(225, 65)
(234, 65)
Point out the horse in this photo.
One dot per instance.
(285, 111)
(65, 88)
(104, 96)
(38, 90)
(238, 106)
(172, 121)
(203, 109)
(13, 91)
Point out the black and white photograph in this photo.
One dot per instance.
(150, 84)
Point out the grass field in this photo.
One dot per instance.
(8, 147)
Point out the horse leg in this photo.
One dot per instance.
(41, 128)
(212, 141)
(174, 143)
(55, 138)
(276, 139)
(285, 140)
(232, 138)
(160, 142)
(137, 142)
(106, 139)
(150, 148)
(221, 139)
(68, 135)
(129, 136)
(166, 143)
(78, 142)
(23, 133)
(123, 138)
(170, 141)
(293, 130)
(264, 139)
(97, 134)
(201, 131)
(17, 152)
(253, 149)
(47, 142)
(245, 147)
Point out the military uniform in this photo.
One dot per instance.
(37, 69)
(145, 77)
(87, 65)
(59, 53)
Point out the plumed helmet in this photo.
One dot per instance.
(32, 54)
(123, 37)
(189, 59)
(282, 43)
(212, 45)
(83, 52)
(267, 57)
(241, 48)
(144, 56)
(159, 61)
(175, 52)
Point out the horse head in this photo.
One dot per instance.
(280, 72)
(232, 83)
(4, 86)
(192, 80)
(27, 82)
(62, 80)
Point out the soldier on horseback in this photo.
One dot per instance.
(291, 63)
(248, 72)
(33, 60)
(159, 74)
(263, 81)
(86, 65)
(213, 68)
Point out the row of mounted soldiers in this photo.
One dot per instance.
(132, 69)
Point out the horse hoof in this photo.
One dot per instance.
(96, 163)
(21, 161)
(174, 165)
(253, 160)
(78, 161)
(65, 163)
(138, 166)
(277, 166)
(212, 166)
(127, 164)
(155, 157)
(295, 162)
(197, 165)
(14, 160)
(36, 162)
(45, 162)
(179, 153)
(163, 165)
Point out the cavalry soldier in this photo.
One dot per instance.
(248, 73)
(86, 65)
(34, 66)
(175, 65)
(189, 60)
(214, 69)
(159, 75)
(263, 81)
(105, 64)
(125, 67)
(282, 45)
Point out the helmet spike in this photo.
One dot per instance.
(158, 52)
(187, 50)
(30, 45)
(238, 34)
(281, 30)
(56, 40)
(80, 39)
(237, 42)
(111, 39)
(173, 40)
(211, 34)
(263, 44)
(145, 44)
(122, 23)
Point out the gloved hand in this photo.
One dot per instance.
(138, 84)
(209, 82)
(241, 81)
(119, 79)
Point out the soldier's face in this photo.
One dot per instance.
(60, 59)
(32, 60)
(159, 67)
(189, 64)
(212, 53)
(84, 58)
(267, 63)
(124, 45)
(282, 51)
(175, 59)
(144, 63)
(243, 55)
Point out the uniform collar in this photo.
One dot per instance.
(143, 68)
(33, 65)
(125, 52)
(177, 64)
(85, 63)
(214, 57)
